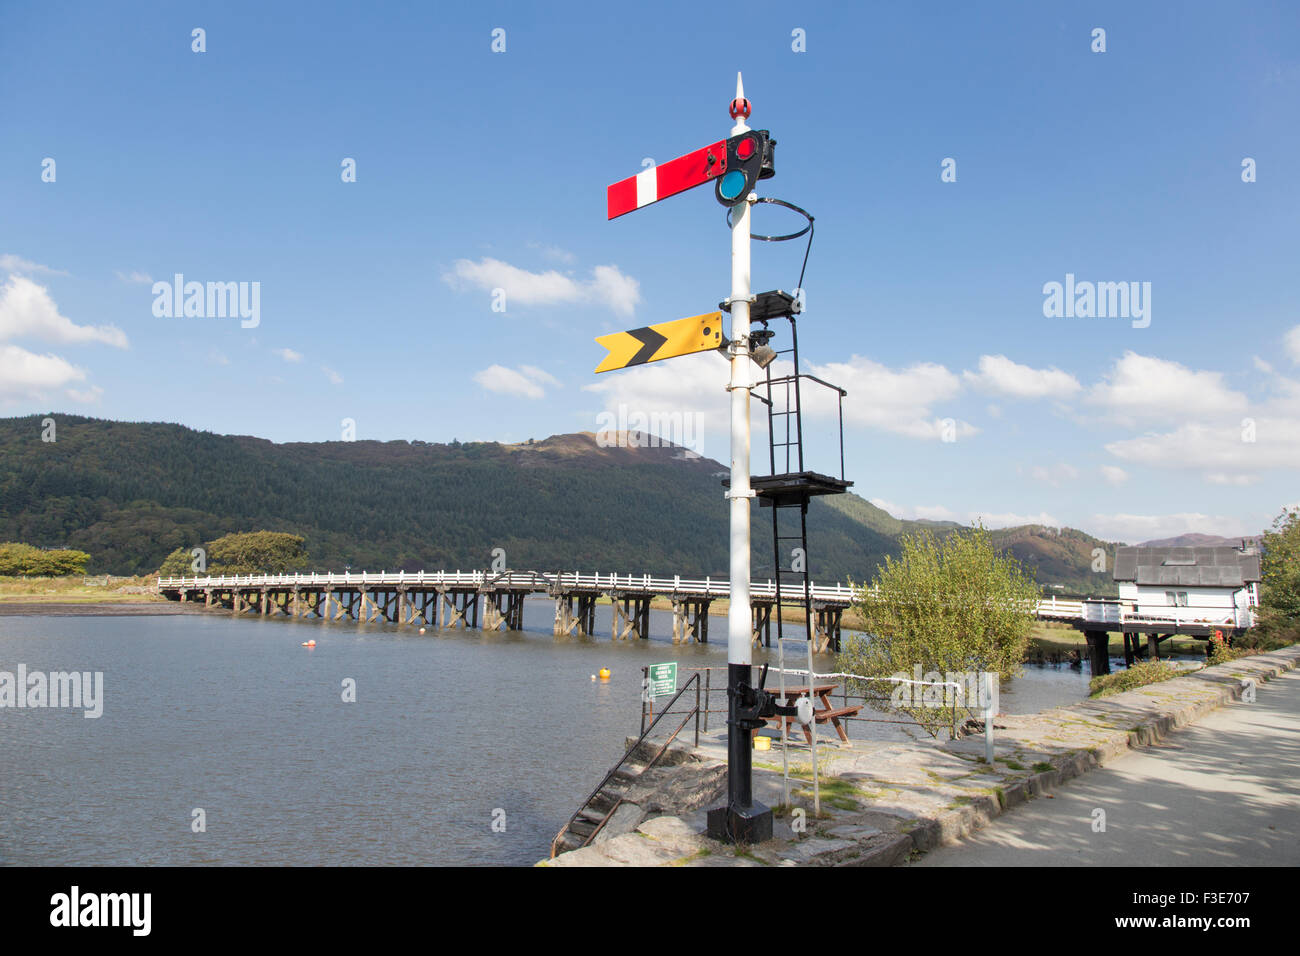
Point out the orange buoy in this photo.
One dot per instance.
(604, 673)
(308, 643)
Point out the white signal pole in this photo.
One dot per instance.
(739, 618)
(742, 820)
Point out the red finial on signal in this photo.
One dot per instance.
(739, 107)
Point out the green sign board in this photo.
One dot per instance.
(662, 680)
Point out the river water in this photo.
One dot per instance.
(461, 747)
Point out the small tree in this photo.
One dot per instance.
(17, 558)
(61, 561)
(24, 559)
(257, 552)
(949, 607)
(1279, 600)
(178, 564)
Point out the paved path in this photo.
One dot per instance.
(1223, 791)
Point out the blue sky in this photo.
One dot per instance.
(478, 170)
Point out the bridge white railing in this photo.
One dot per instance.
(1109, 613)
(536, 581)
(1116, 614)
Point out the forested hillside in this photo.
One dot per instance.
(131, 493)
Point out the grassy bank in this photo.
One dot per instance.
(1139, 675)
(78, 589)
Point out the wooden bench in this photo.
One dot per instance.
(821, 716)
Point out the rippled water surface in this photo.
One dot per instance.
(235, 717)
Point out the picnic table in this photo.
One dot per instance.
(828, 710)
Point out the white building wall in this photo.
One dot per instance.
(1157, 596)
(1202, 602)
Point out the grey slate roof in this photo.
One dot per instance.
(1186, 567)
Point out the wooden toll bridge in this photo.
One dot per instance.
(480, 599)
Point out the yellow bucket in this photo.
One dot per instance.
(762, 743)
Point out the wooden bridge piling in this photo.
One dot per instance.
(1099, 649)
(762, 633)
(631, 617)
(496, 601)
(827, 620)
(690, 619)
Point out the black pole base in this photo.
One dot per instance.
(752, 824)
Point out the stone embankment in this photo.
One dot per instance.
(884, 803)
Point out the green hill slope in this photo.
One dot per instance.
(130, 493)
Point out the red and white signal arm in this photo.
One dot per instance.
(667, 179)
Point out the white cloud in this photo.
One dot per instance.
(334, 377)
(289, 355)
(26, 309)
(541, 376)
(1113, 474)
(527, 381)
(899, 401)
(1219, 478)
(17, 264)
(1141, 387)
(1000, 375)
(1291, 342)
(1011, 519)
(1134, 528)
(1217, 450)
(917, 512)
(1054, 474)
(24, 374)
(1228, 449)
(941, 513)
(134, 276)
(607, 287)
(690, 389)
(89, 396)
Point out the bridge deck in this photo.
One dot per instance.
(532, 582)
(1192, 621)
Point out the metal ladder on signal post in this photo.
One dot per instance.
(787, 490)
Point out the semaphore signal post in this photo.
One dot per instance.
(734, 166)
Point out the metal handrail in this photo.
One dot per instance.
(694, 712)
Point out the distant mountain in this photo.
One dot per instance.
(1062, 558)
(130, 493)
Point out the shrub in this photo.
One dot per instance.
(1139, 675)
(1218, 651)
(951, 605)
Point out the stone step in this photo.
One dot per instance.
(624, 777)
(601, 803)
(568, 842)
(593, 817)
